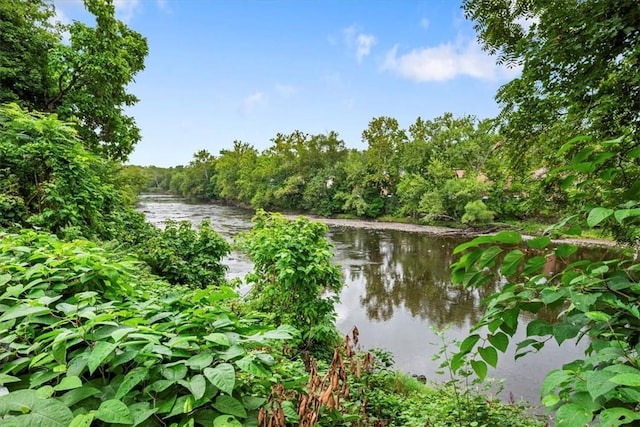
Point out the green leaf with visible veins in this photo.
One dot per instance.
(114, 411)
(222, 376)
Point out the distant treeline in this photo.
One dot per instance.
(438, 169)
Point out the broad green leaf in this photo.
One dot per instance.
(82, 420)
(253, 402)
(480, 368)
(539, 328)
(230, 405)
(247, 364)
(226, 421)
(621, 215)
(4, 279)
(565, 330)
(46, 413)
(553, 380)
(45, 392)
(68, 383)
(132, 379)
(141, 411)
(6, 379)
(511, 262)
(565, 250)
(614, 417)
(232, 352)
(508, 237)
(74, 396)
(174, 372)
(121, 332)
(598, 382)
(160, 385)
(499, 341)
(489, 355)
(23, 310)
(290, 412)
(597, 215)
(539, 242)
(628, 379)
(550, 400)
(197, 386)
(488, 257)
(101, 350)
(199, 361)
(572, 415)
(114, 411)
(222, 376)
(469, 343)
(584, 302)
(534, 265)
(598, 316)
(473, 243)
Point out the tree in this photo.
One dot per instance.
(579, 61)
(49, 180)
(25, 40)
(84, 80)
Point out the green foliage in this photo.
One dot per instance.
(411, 189)
(49, 180)
(83, 79)
(25, 36)
(577, 59)
(293, 272)
(596, 299)
(476, 212)
(87, 338)
(183, 255)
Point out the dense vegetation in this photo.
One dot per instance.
(438, 169)
(105, 319)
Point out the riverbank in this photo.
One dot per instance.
(432, 230)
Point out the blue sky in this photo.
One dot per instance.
(225, 70)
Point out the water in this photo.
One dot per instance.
(397, 289)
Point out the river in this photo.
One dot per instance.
(398, 291)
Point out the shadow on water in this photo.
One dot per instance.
(398, 287)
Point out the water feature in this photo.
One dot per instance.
(397, 289)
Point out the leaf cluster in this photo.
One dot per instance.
(293, 272)
(594, 300)
(183, 255)
(86, 339)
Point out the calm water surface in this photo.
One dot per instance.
(397, 290)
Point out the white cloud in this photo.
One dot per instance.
(424, 23)
(126, 9)
(364, 43)
(446, 62)
(252, 101)
(360, 42)
(285, 91)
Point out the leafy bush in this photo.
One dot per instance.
(293, 276)
(87, 339)
(183, 255)
(49, 179)
(476, 212)
(596, 299)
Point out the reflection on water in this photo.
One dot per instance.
(397, 288)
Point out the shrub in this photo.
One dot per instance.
(598, 300)
(293, 276)
(49, 180)
(476, 212)
(183, 255)
(86, 338)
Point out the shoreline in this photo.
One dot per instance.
(432, 230)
